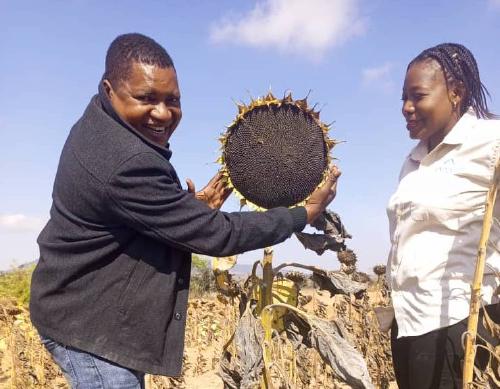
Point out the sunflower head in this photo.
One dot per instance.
(379, 270)
(347, 257)
(275, 152)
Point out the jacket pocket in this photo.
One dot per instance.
(134, 280)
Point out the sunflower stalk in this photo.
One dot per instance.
(475, 303)
(266, 299)
(267, 277)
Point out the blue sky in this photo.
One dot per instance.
(351, 55)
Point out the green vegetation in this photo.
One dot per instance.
(202, 278)
(15, 285)
(199, 263)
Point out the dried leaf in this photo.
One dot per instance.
(492, 327)
(319, 243)
(336, 282)
(248, 339)
(230, 376)
(347, 363)
(297, 330)
(244, 369)
(333, 237)
(329, 222)
(285, 292)
(339, 354)
(224, 263)
(225, 283)
(385, 317)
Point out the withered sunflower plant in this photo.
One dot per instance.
(276, 152)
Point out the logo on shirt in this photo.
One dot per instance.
(447, 166)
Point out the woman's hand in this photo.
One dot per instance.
(323, 195)
(214, 194)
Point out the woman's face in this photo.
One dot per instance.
(430, 107)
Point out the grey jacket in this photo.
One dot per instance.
(113, 274)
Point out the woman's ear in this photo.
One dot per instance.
(457, 94)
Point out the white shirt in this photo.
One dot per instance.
(435, 221)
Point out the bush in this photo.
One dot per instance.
(15, 285)
(202, 278)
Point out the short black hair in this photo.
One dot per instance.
(460, 66)
(129, 48)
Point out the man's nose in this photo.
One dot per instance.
(161, 112)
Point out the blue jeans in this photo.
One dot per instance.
(87, 371)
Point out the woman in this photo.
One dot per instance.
(436, 215)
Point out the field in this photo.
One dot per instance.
(211, 322)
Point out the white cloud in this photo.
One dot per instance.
(379, 76)
(17, 248)
(293, 26)
(20, 223)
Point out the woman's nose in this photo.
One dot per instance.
(408, 107)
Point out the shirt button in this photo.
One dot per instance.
(180, 281)
(177, 316)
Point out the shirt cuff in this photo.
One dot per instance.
(299, 216)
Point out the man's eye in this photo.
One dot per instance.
(174, 100)
(145, 98)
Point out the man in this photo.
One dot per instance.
(109, 294)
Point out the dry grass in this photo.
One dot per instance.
(24, 362)
(305, 368)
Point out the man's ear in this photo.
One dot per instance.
(107, 88)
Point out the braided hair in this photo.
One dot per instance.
(460, 66)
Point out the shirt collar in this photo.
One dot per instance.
(462, 129)
(458, 134)
(419, 152)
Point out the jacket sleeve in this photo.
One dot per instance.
(146, 196)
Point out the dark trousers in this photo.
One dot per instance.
(435, 359)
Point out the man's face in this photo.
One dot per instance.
(149, 100)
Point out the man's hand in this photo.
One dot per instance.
(322, 196)
(214, 194)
